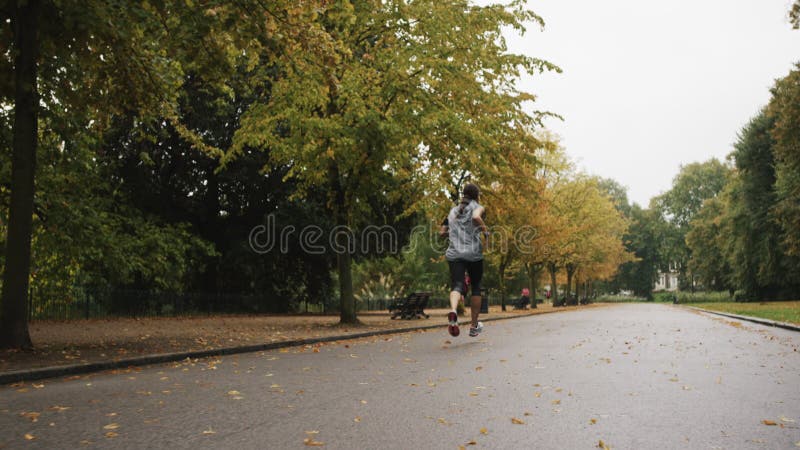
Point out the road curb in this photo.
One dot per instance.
(77, 369)
(758, 320)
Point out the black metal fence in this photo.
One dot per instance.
(91, 303)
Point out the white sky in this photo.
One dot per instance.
(651, 85)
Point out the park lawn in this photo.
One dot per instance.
(780, 311)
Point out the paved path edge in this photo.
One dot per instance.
(99, 366)
(758, 320)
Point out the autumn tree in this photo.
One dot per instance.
(406, 91)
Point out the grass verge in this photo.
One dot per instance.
(780, 311)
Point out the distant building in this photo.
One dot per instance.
(667, 281)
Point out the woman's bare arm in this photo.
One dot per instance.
(477, 219)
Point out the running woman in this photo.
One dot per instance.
(464, 226)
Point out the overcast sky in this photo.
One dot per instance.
(651, 85)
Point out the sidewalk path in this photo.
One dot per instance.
(636, 376)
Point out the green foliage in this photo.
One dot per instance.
(784, 108)
(620, 299)
(694, 184)
(643, 238)
(760, 266)
(703, 297)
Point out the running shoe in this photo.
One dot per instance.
(452, 326)
(477, 330)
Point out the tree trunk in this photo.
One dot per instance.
(348, 304)
(14, 313)
(570, 272)
(502, 286)
(344, 258)
(553, 287)
(532, 277)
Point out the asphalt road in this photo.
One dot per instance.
(634, 376)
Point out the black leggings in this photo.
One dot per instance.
(475, 270)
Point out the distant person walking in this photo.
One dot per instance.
(464, 226)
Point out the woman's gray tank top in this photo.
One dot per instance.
(465, 236)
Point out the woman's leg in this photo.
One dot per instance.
(457, 269)
(475, 270)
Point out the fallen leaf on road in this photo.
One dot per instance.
(592, 421)
(363, 402)
(516, 421)
(537, 394)
(473, 394)
(768, 422)
(357, 419)
(111, 426)
(673, 379)
(29, 437)
(33, 416)
(786, 419)
(603, 445)
(209, 431)
(471, 443)
(556, 402)
(58, 408)
(312, 443)
(111, 435)
(478, 368)
(38, 386)
(312, 432)
(441, 421)
(484, 431)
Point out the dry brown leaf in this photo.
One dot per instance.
(312, 432)
(516, 421)
(111, 435)
(33, 416)
(310, 442)
(58, 408)
(592, 421)
(603, 445)
(537, 394)
(768, 422)
(556, 402)
(478, 368)
(441, 420)
(111, 426)
(473, 394)
(471, 443)
(209, 431)
(29, 437)
(484, 430)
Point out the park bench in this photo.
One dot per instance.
(411, 307)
